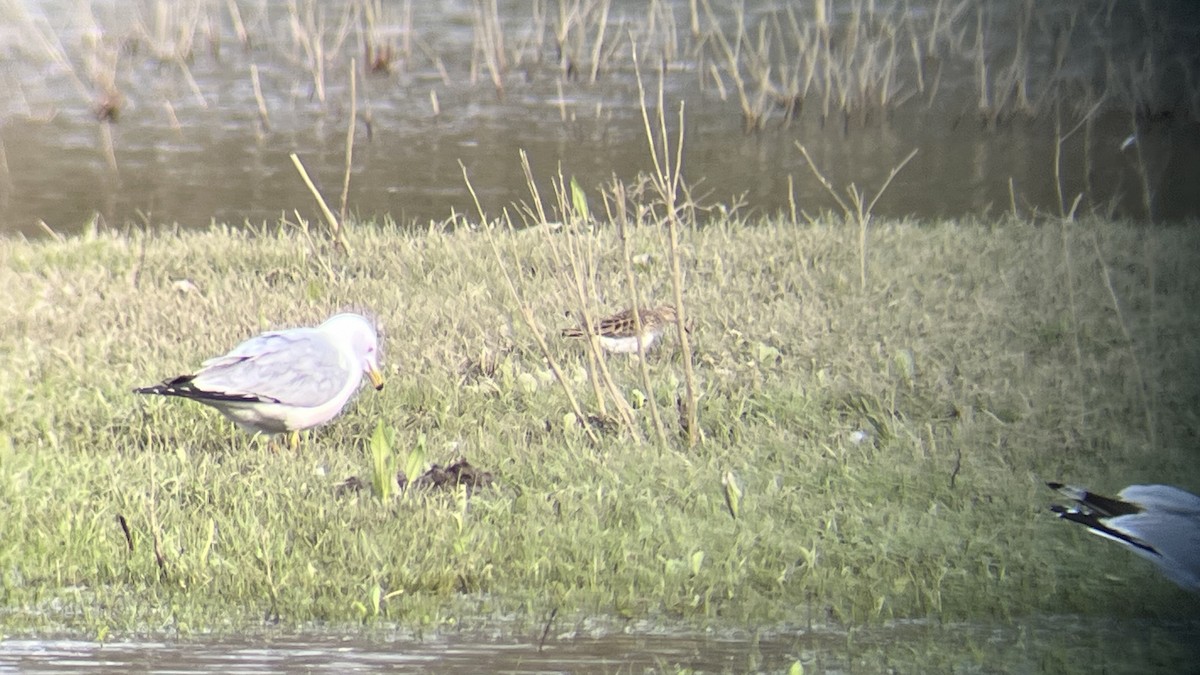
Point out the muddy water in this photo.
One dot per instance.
(188, 145)
(1047, 644)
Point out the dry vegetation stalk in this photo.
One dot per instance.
(350, 127)
(667, 177)
(641, 352)
(580, 279)
(335, 227)
(527, 314)
(1059, 139)
(858, 209)
(263, 115)
(581, 258)
(1131, 344)
(635, 299)
(489, 43)
(107, 147)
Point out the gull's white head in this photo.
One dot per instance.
(359, 333)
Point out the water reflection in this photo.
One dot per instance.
(1056, 644)
(190, 146)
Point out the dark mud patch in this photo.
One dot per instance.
(438, 477)
(448, 478)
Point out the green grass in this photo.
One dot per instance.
(976, 364)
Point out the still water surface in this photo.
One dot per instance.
(189, 146)
(1045, 644)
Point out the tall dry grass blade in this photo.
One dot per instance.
(335, 226)
(44, 227)
(667, 177)
(263, 116)
(1143, 172)
(753, 113)
(1059, 139)
(350, 127)
(108, 148)
(858, 209)
(239, 26)
(489, 42)
(812, 165)
(1138, 371)
(527, 314)
(577, 280)
(635, 299)
(582, 274)
(598, 58)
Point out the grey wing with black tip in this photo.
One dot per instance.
(296, 368)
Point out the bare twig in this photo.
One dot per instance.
(527, 314)
(334, 226)
(258, 96)
(667, 178)
(636, 302)
(1143, 386)
(1061, 138)
(858, 209)
(350, 137)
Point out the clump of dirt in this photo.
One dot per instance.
(604, 425)
(351, 484)
(436, 478)
(448, 478)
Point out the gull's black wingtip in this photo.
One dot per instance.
(171, 387)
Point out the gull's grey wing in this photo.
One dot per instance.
(1158, 522)
(1175, 539)
(1164, 498)
(297, 368)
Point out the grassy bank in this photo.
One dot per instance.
(889, 442)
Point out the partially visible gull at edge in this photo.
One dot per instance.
(1158, 522)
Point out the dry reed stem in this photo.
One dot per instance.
(753, 114)
(107, 147)
(858, 209)
(353, 123)
(192, 84)
(597, 368)
(1139, 372)
(263, 116)
(44, 227)
(239, 26)
(792, 198)
(1143, 172)
(582, 270)
(635, 299)
(577, 281)
(526, 313)
(489, 42)
(1059, 139)
(334, 225)
(600, 54)
(601, 376)
(667, 177)
(172, 118)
